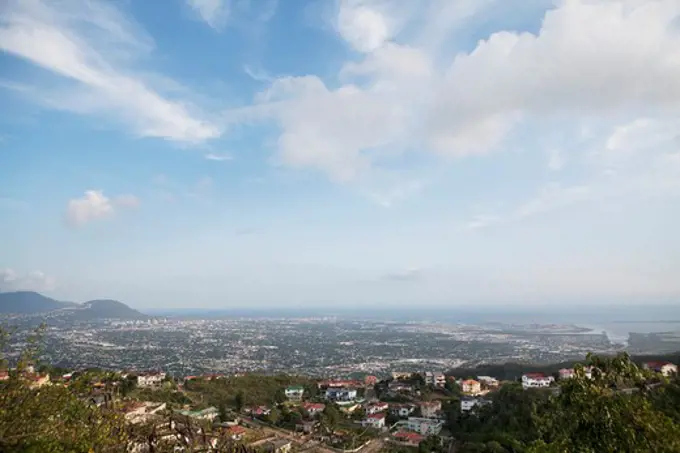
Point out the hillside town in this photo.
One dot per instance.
(283, 414)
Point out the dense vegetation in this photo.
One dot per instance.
(621, 408)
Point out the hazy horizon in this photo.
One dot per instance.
(370, 153)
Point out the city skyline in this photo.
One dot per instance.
(362, 152)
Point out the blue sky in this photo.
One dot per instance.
(217, 153)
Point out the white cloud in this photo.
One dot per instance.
(94, 205)
(11, 280)
(406, 91)
(92, 45)
(482, 221)
(556, 159)
(214, 12)
(406, 275)
(218, 157)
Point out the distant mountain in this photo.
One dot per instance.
(32, 303)
(110, 309)
(28, 302)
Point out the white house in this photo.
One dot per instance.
(424, 426)
(377, 407)
(314, 408)
(536, 380)
(402, 410)
(488, 381)
(376, 421)
(568, 373)
(150, 379)
(295, 392)
(341, 394)
(467, 403)
(436, 379)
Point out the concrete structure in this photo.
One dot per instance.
(424, 426)
(278, 446)
(408, 437)
(397, 375)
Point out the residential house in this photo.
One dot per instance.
(258, 411)
(402, 410)
(424, 426)
(338, 383)
(278, 446)
(398, 375)
(488, 381)
(376, 421)
(140, 412)
(435, 379)
(236, 432)
(314, 408)
(536, 380)
(295, 392)
(374, 408)
(408, 437)
(4, 375)
(468, 403)
(399, 386)
(209, 413)
(665, 368)
(306, 426)
(430, 409)
(568, 373)
(147, 380)
(341, 394)
(37, 380)
(370, 381)
(470, 387)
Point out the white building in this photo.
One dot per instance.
(341, 394)
(377, 407)
(568, 373)
(424, 426)
(436, 379)
(402, 410)
(536, 380)
(488, 381)
(295, 392)
(150, 379)
(376, 421)
(467, 404)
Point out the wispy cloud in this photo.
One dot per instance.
(92, 45)
(94, 205)
(10, 280)
(406, 275)
(214, 12)
(218, 157)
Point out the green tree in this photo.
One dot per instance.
(610, 412)
(330, 418)
(239, 401)
(274, 416)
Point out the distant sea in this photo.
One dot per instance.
(616, 320)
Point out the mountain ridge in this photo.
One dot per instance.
(34, 303)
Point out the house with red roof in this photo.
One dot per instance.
(376, 421)
(536, 380)
(314, 408)
(665, 368)
(408, 437)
